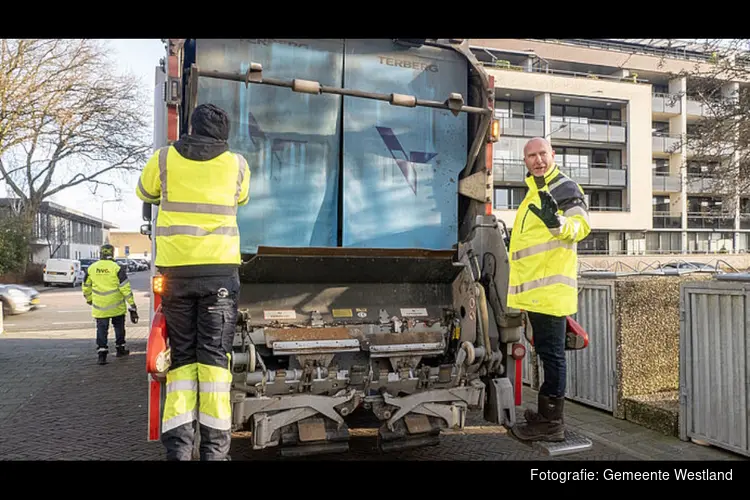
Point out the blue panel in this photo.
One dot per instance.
(401, 165)
(291, 140)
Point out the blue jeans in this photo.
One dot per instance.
(102, 330)
(549, 343)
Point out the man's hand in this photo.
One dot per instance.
(133, 314)
(88, 302)
(548, 212)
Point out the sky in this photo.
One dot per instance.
(139, 56)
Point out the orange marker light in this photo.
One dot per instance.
(495, 131)
(158, 284)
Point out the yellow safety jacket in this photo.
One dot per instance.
(107, 287)
(543, 261)
(198, 200)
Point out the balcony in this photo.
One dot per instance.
(696, 107)
(520, 125)
(705, 183)
(591, 130)
(593, 174)
(507, 170)
(669, 104)
(707, 220)
(597, 174)
(745, 221)
(667, 220)
(666, 183)
(665, 143)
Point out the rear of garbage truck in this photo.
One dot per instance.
(374, 274)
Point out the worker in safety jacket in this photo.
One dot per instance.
(551, 220)
(198, 184)
(106, 288)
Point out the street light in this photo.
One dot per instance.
(103, 202)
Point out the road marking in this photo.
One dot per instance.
(70, 323)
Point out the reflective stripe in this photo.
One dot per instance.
(538, 283)
(163, 172)
(127, 280)
(110, 292)
(542, 247)
(115, 306)
(215, 386)
(195, 231)
(179, 420)
(220, 424)
(182, 385)
(145, 193)
(556, 184)
(198, 208)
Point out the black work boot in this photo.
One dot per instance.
(546, 424)
(102, 356)
(122, 351)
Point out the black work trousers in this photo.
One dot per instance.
(201, 317)
(102, 331)
(549, 344)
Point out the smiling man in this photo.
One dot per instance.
(550, 222)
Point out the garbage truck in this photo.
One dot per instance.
(374, 273)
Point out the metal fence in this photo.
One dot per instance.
(714, 362)
(591, 372)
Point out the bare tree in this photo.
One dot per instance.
(67, 118)
(717, 79)
(56, 233)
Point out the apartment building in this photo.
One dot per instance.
(615, 120)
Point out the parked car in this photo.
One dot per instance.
(143, 264)
(129, 264)
(85, 263)
(14, 300)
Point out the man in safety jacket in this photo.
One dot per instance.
(550, 221)
(198, 184)
(106, 288)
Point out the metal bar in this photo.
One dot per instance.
(323, 89)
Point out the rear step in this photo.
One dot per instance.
(574, 443)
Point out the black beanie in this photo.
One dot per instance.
(210, 121)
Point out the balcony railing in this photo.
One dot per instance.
(667, 220)
(703, 220)
(666, 182)
(591, 130)
(521, 125)
(597, 174)
(703, 183)
(744, 221)
(592, 174)
(601, 208)
(666, 103)
(665, 143)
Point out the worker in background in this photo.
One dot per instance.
(106, 288)
(551, 220)
(198, 184)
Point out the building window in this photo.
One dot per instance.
(597, 242)
(664, 242)
(507, 198)
(604, 200)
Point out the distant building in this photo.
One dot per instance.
(63, 233)
(130, 244)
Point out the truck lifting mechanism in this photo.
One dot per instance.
(405, 340)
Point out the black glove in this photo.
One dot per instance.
(133, 315)
(548, 212)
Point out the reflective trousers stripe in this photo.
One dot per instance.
(181, 402)
(200, 208)
(215, 402)
(196, 231)
(546, 281)
(542, 247)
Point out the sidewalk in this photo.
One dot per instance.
(630, 438)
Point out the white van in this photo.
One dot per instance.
(63, 271)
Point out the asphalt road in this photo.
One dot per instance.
(66, 309)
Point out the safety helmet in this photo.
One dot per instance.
(107, 251)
